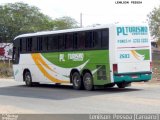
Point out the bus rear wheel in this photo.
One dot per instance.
(76, 80)
(123, 84)
(88, 81)
(28, 78)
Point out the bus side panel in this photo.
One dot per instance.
(18, 72)
(56, 67)
(27, 62)
(97, 61)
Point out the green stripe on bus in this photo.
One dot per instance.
(71, 59)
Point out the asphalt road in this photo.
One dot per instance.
(15, 97)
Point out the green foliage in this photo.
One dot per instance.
(19, 18)
(154, 23)
(64, 23)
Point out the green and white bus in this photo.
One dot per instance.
(85, 57)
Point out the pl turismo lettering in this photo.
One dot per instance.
(140, 30)
(76, 56)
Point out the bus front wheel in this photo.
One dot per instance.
(76, 80)
(88, 81)
(28, 78)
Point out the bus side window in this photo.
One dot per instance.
(45, 43)
(23, 44)
(55, 42)
(69, 41)
(81, 40)
(20, 45)
(39, 44)
(97, 39)
(89, 39)
(34, 45)
(75, 40)
(61, 40)
(29, 44)
(50, 43)
(105, 38)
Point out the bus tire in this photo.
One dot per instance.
(121, 85)
(88, 81)
(77, 81)
(28, 79)
(110, 85)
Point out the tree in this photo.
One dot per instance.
(21, 18)
(64, 23)
(154, 23)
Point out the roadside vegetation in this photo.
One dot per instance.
(156, 66)
(6, 70)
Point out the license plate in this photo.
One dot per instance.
(134, 76)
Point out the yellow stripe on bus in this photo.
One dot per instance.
(38, 56)
(135, 54)
(37, 59)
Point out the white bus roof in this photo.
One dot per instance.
(62, 31)
(73, 30)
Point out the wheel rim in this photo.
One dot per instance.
(88, 82)
(76, 80)
(27, 79)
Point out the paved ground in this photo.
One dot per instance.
(17, 98)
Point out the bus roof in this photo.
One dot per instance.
(76, 29)
(62, 31)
